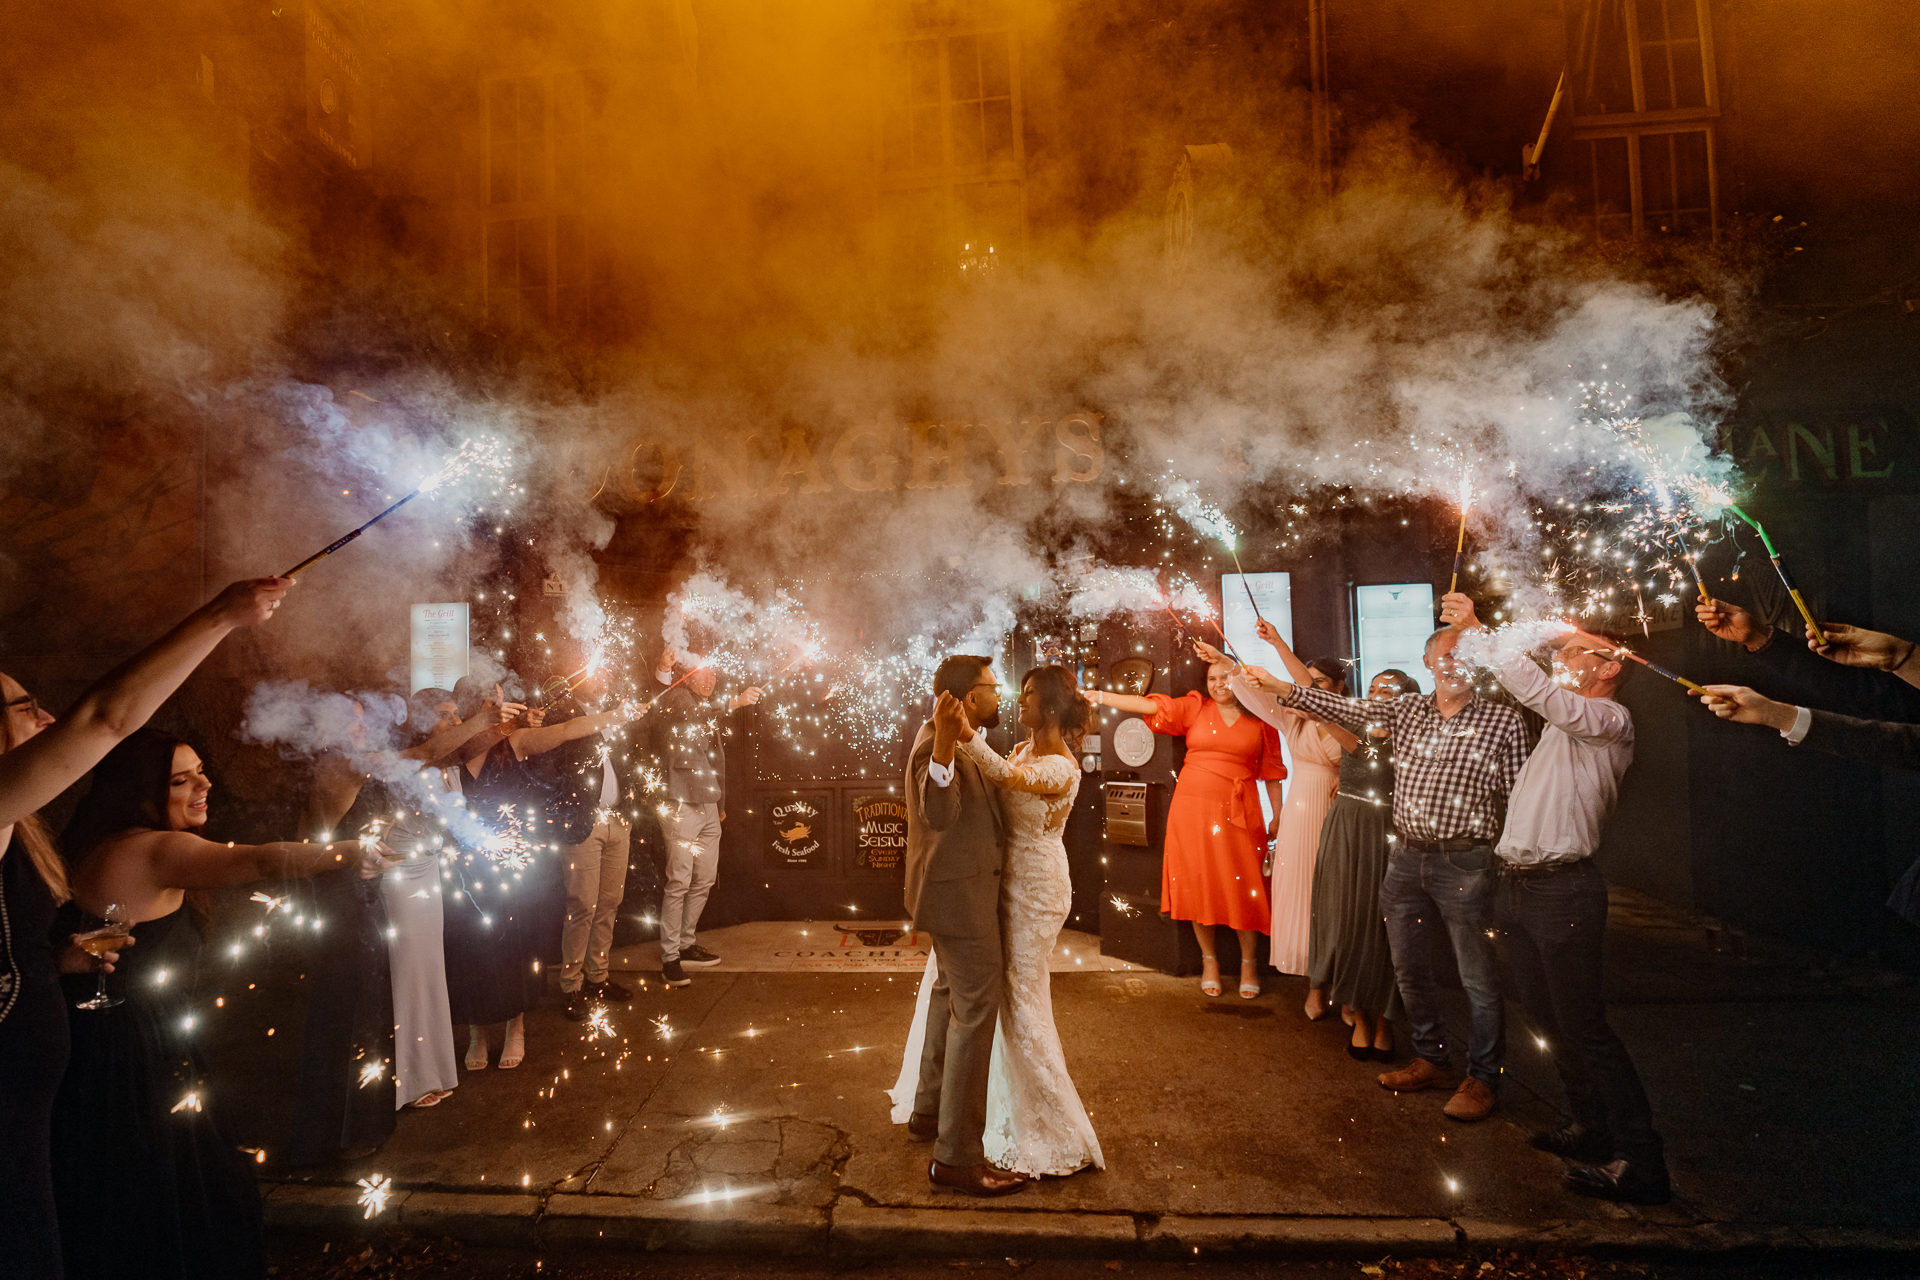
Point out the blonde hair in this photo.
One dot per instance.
(31, 834)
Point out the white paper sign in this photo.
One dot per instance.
(439, 645)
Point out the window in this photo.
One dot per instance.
(1645, 182)
(1641, 81)
(952, 192)
(542, 136)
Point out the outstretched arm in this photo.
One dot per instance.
(1045, 776)
(1288, 658)
(1123, 702)
(41, 768)
(533, 742)
(441, 745)
(181, 860)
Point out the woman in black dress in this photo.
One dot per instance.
(146, 1179)
(494, 917)
(39, 758)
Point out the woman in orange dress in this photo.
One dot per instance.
(1216, 839)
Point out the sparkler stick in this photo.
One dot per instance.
(1243, 580)
(1786, 579)
(1460, 543)
(322, 554)
(1659, 670)
(1686, 553)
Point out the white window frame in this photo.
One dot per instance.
(547, 210)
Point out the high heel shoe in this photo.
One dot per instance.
(1210, 986)
(1316, 1006)
(514, 1050)
(476, 1049)
(1249, 980)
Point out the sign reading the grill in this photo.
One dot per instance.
(880, 844)
(796, 831)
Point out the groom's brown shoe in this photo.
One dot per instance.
(922, 1127)
(977, 1180)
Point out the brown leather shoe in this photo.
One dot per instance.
(1415, 1076)
(1471, 1101)
(975, 1180)
(922, 1127)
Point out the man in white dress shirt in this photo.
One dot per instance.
(1551, 909)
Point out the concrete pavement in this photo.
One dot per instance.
(746, 1113)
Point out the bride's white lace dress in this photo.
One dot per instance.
(1035, 1122)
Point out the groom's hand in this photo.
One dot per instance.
(949, 726)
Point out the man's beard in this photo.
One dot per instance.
(990, 721)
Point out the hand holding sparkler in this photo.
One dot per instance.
(1875, 650)
(1731, 622)
(747, 697)
(249, 603)
(1742, 705)
(472, 454)
(1265, 681)
(1456, 610)
(1786, 579)
(1210, 655)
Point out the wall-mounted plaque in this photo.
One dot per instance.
(880, 834)
(1133, 742)
(796, 832)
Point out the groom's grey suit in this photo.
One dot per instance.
(956, 853)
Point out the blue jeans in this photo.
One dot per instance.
(1552, 928)
(1421, 894)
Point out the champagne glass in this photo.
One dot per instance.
(111, 936)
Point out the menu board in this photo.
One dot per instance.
(796, 832)
(880, 834)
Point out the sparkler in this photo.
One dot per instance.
(375, 1191)
(1786, 579)
(472, 454)
(1659, 670)
(1460, 543)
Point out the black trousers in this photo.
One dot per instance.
(1552, 928)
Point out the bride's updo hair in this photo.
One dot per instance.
(1061, 702)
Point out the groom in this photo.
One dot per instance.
(956, 847)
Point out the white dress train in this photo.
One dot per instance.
(1035, 1121)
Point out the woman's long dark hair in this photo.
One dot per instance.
(1061, 703)
(129, 793)
(1333, 669)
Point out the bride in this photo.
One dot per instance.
(1035, 1123)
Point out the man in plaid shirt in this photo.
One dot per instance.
(1455, 757)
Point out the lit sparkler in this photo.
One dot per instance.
(1460, 543)
(1786, 579)
(372, 1072)
(1659, 670)
(598, 1023)
(375, 1191)
(472, 454)
(269, 901)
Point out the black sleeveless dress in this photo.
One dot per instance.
(33, 1056)
(1347, 952)
(146, 1179)
(339, 1104)
(496, 905)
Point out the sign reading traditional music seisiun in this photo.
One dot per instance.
(880, 841)
(797, 830)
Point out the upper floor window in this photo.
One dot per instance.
(1634, 57)
(542, 135)
(951, 165)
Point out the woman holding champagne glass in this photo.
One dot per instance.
(135, 1092)
(41, 756)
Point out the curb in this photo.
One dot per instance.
(852, 1228)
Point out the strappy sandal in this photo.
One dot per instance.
(1210, 986)
(476, 1059)
(514, 1051)
(1249, 985)
(433, 1099)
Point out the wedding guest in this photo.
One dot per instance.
(180, 1200)
(1551, 911)
(1456, 756)
(492, 942)
(377, 976)
(594, 808)
(1215, 839)
(39, 758)
(1348, 958)
(692, 742)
